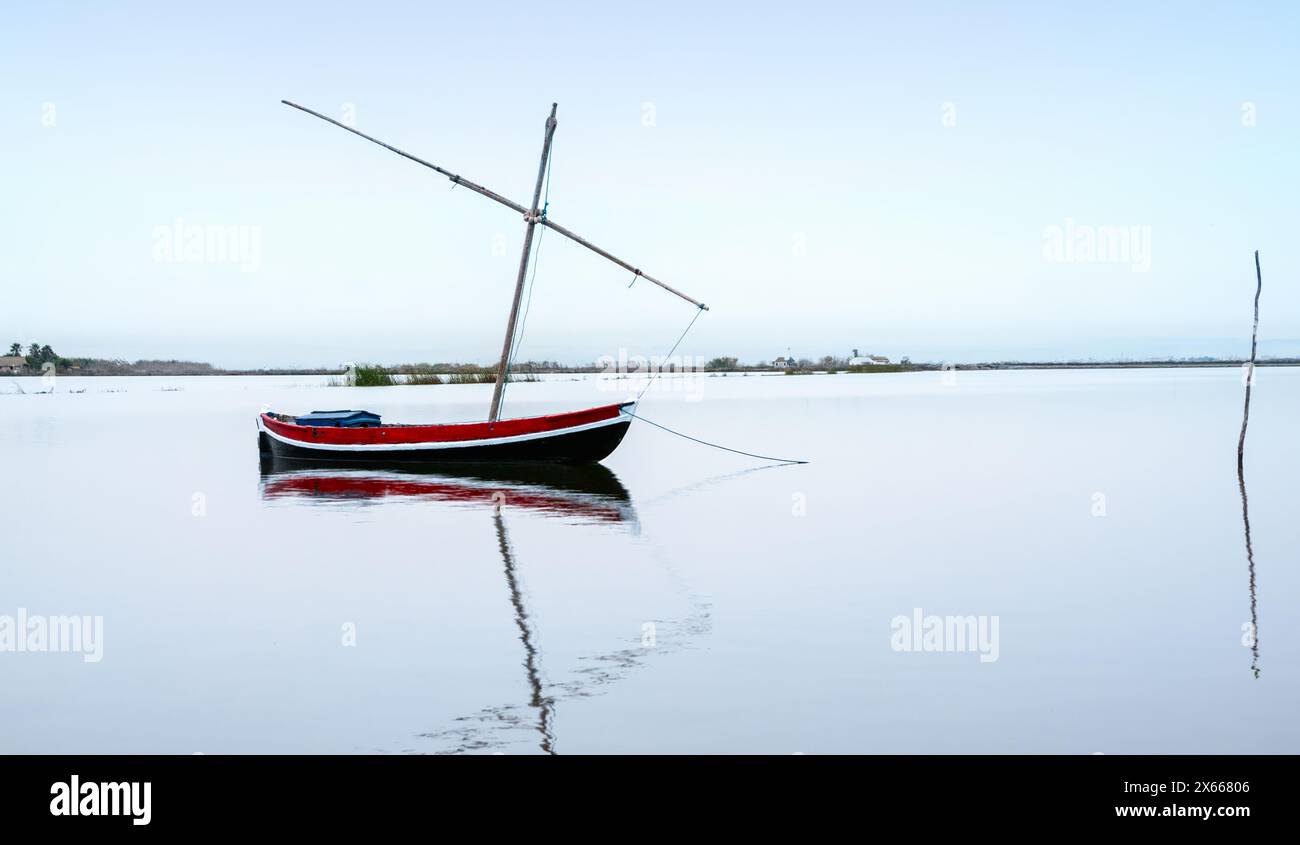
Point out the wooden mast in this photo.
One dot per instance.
(531, 218)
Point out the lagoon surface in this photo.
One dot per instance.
(682, 600)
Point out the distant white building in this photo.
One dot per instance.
(866, 360)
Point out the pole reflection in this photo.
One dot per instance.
(540, 701)
(1250, 566)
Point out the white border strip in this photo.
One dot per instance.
(316, 445)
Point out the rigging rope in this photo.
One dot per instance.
(528, 301)
(682, 337)
(519, 335)
(689, 326)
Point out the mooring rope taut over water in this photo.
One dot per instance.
(716, 445)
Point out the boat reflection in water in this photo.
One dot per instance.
(583, 493)
(587, 494)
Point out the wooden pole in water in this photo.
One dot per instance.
(1241, 478)
(531, 219)
(1250, 374)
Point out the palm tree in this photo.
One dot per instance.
(15, 349)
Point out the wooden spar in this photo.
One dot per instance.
(493, 195)
(531, 217)
(556, 227)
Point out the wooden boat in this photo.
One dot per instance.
(573, 437)
(582, 436)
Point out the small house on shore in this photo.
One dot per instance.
(866, 360)
(12, 364)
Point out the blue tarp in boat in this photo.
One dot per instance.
(339, 419)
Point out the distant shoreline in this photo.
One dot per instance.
(188, 369)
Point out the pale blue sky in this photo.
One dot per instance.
(798, 176)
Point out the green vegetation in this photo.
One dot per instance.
(38, 355)
(371, 375)
(488, 377)
(483, 377)
(366, 375)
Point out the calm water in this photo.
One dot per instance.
(683, 601)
